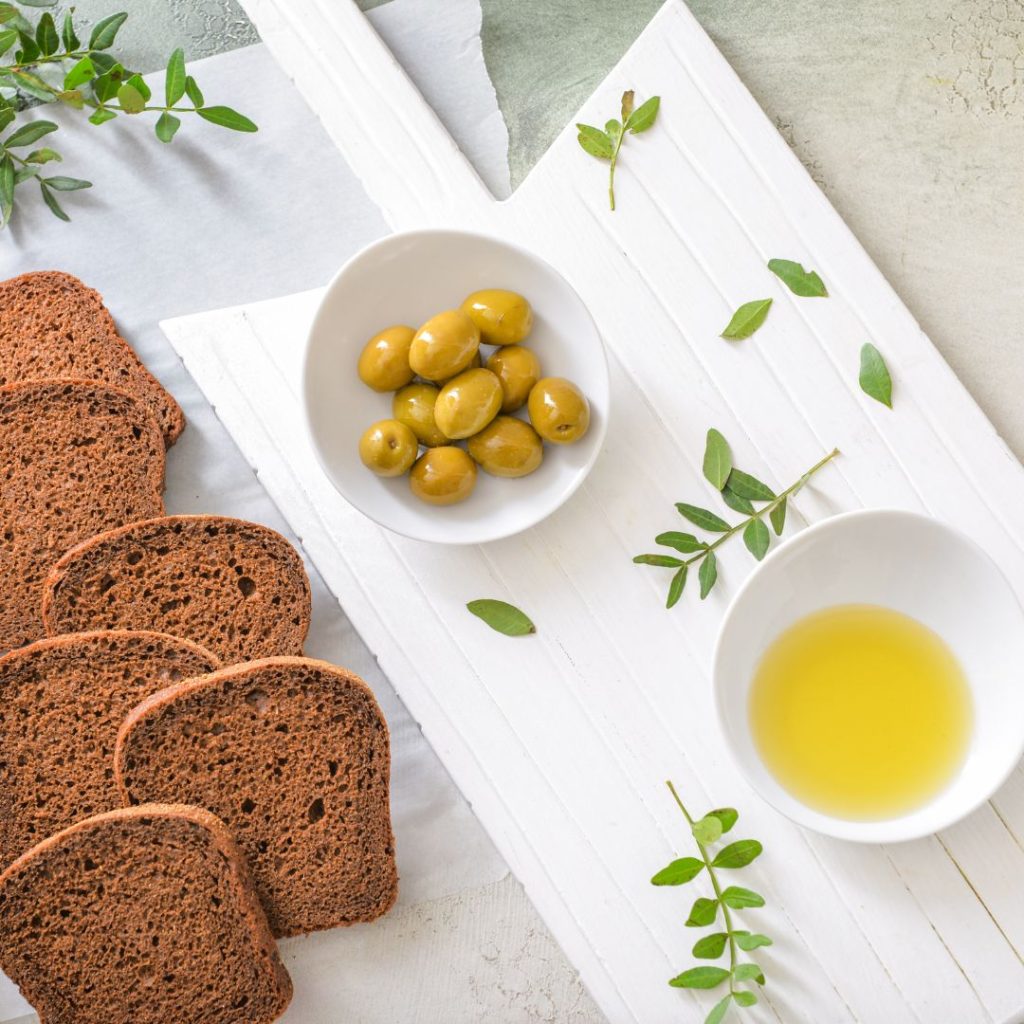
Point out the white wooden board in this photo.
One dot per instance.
(562, 742)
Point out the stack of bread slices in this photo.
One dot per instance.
(179, 786)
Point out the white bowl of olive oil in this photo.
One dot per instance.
(868, 677)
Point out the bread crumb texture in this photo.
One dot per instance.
(239, 589)
(62, 701)
(140, 916)
(76, 458)
(293, 754)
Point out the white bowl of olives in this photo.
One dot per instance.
(456, 389)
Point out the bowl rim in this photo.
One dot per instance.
(887, 830)
(602, 426)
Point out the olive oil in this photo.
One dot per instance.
(861, 712)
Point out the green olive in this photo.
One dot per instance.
(507, 446)
(504, 317)
(414, 406)
(518, 369)
(384, 362)
(389, 448)
(444, 345)
(468, 403)
(558, 410)
(443, 476)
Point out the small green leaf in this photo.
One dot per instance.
(167, 124)
(708, 574)
(227, 118)
(29, 133)
(747, 319)
(702, 913)
(103, 61)
(700, 977)
(627, 104)
(747, 941)
(710, 947)
(644, 116)
(613, 129)
(738, 854)
(707, 830)
(7, 115)
(34, 86)
(736, 503)
(51, 201)
(595, 142)
(8, 12)
(744, 997)
(874, 375)
(799, 281)
(662, 561)
(84, 71)
(174, 87)
(7, 39)
(778, 517)
(43, 156)
(719, 1010)
(679, 872)
(194, 93)
(747, 486)
(105, 87)
(675, 588)
(684, 542)
(25, 174)
(502, 617)
(757, 538)
(6, 188)
(702, 517)
(749, 972)
(139, 83)
(728, 816)
(105, 31)
(47, 38)
(132, 101)
(62, 183)
(71, 41)
(29, 52)
(717, 459)
(102, 116)
(736, 897)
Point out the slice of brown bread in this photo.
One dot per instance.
(237, 588)
(61, 703)
(52, 325)
(76, 458)
(140, 916)
(294, 755)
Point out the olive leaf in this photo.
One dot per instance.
(708, 574)
(757, 538)
(717, 459)
(702, 913)
(737, 897)
(675, 588)
(736, 503)
(710, 947)
(685, 542)
(747, 319)
(702, 517)
(679, 872)
(874, 375)
(747, 486)
(738, 854)
(700, 977)
(777, 516)
(801, 282)
(502, 617)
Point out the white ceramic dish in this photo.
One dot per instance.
(916, 565)
(406, 278)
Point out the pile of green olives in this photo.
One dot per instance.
(447, 390)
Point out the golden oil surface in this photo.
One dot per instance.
(861, 712)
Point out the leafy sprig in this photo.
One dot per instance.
(739, 490)
(605, 143)
(52, 65)
(706, 832)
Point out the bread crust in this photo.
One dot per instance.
(114, 361)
